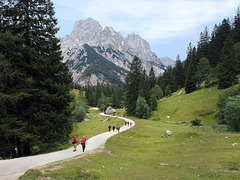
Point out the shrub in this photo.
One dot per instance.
(234, 165)
(232, 113)
(142, 108)
(196, 122)
(157, 91)
(233, 91)
(79, 112)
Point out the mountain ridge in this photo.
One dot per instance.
(109, 44)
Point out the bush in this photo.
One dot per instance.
(196, 122)
(142, 108)
(233, 91)
(232, 113)
(157, 91)
(153, 102)
(79, 111)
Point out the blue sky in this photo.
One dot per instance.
(168, 25)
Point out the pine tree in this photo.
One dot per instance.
(227, 69)
(168, 91)
(117, 97)
(97, 94)
(237, 56)
(179, 74)
(190, 84)
(203, 70)
(46, 108)
(219, 36)
(144, 89)
(132, 85)
(203, 44)
(13, 84)
(152, 78)
(236, 27)
(168, 78)
(153, 102)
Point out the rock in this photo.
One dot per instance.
(180, 92)
(169, 132)
(168, 117)
(105, 120)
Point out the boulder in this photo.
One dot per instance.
(169, 132)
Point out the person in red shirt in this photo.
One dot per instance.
(74, 144)
(118, 128)
(83, 143)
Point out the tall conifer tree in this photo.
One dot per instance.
(152, 78)
(203, 44)
(144, 89)
(132, 85)
(227, 69)
(236, 27)
(46, 107)
(190, 84)
(219, 36)
(179, 74)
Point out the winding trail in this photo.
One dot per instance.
(14, 168)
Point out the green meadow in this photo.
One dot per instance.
(146, 152)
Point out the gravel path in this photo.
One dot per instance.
(14, 168)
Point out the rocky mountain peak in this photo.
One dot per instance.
(109, 44)
(87, 31)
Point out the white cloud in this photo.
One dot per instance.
(152, 19)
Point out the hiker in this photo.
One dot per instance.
(113, 128)
(83, 143)
(131, 123)
(109, 127)
(74, 142)
(118, 128)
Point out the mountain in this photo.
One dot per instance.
(88, 67)
(167, 61)
(96, 54)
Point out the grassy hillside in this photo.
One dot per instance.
(184, 108)
(145, 152)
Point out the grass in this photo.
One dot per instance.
(191, 152)
(187, 107)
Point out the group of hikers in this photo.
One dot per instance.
(127, 123)
(118, 127)
(83, 143)
(113, 128)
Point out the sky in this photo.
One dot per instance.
(167, 25)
